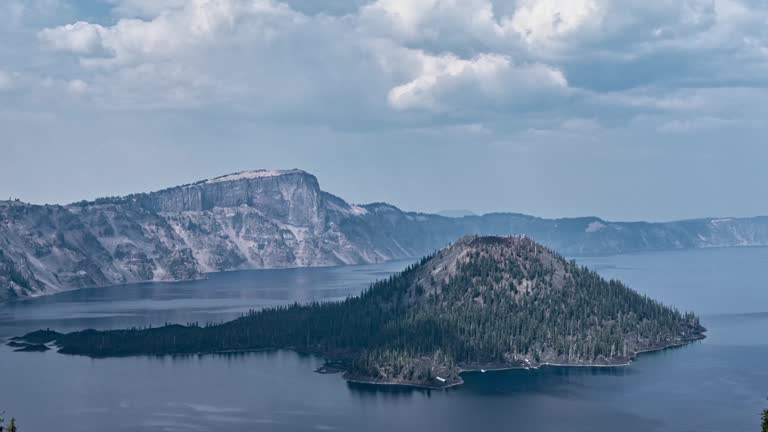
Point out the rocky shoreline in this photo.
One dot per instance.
(340, 363)
(353, 377)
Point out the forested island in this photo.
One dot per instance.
(481, 303)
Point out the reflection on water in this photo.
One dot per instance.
(372, 391)
(719, 384)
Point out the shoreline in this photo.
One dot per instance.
(400, 384)
(203, 276)
(626, 363)
(337, 360)
(499, 368)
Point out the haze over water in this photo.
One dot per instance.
(719, 384)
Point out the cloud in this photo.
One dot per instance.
(207, 50)
(542, 21)
(445, 81)
(394, 63)
(463, 27)
(507, 89)
(287, 59)
(196, 26)
(79, 38)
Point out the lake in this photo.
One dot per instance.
(718, 384)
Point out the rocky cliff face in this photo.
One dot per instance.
(276, 219)
(257, 219)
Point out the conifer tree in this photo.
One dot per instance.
(765, 420)
(505, 301)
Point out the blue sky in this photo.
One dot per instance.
(624, 109)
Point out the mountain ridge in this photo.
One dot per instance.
(282, 218)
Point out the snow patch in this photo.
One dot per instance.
(358, 211)
(247, 175)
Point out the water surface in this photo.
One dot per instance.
(719, 384)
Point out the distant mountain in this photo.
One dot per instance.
(483, 302)
(456, 213)
(277, 219)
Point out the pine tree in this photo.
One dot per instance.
(765, 420)
(12, 426)
(502, 300)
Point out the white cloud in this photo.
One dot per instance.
(186, 55)
(542, 21)
(606, 79)
(79, 38)
(412, 63)
(446, 81)
(469, 26)
(403, 16)
(171, 34)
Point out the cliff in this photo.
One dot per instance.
(277, 219)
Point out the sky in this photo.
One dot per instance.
(623, 109)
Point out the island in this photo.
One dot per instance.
(482, 303)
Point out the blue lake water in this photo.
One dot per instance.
(719, 384)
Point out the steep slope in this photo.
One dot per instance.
(48, 248)
(254, 219)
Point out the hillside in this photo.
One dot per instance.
(483, 302)
(277, 219)
(250, 220)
